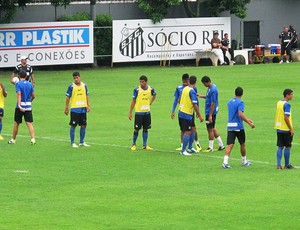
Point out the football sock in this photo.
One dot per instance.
(82, 134)
(191, 141)
(244, 160)
(220, 142)
(72, 134)
(226, 158)
(186, 139)
(135, 136)
(197, 142)
(279, 155)
(287, 153)
(211, 144)
(145, 138)
(0, 126)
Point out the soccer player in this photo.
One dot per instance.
(25, 96)
(3, 94)
(211, 111)
(78, 99)
(23, 67)
(284, 128)
(177, 95)
(235, 127)
(285, 41)
(142, 98)
(188, 104)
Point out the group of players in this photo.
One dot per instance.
(187, 97)
(76, 98)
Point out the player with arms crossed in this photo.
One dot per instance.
(78, 98)
(235, 128)
(142, 98)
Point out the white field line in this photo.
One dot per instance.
(201, 154)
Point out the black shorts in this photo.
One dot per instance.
(284, 139)
(193, 120)
(286, 48)
(77, 119)
(19, 115)
(210, 125)
(185, 125)
(240, 135)
(142, 121)
(1, 112)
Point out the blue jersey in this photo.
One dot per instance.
(212, 96)
(26, 89)
(194, 100)
(177, 96)
(69, 94)
(235, 122)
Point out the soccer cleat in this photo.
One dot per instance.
(208, 150)
(287, 62)
(221, 148)
(84, 144)
(74, 145)
(198, 147)
(281, 62)
(247, 163)
(1, 138)
(11, 141)
(226, 166)
(289, 167)
(279, 167)
(185, 153)
(133, 147)
(32, 141)
(192, 150)
(179, 149)
(147, 147)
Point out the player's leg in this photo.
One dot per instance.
(83, 124)
(1, 117)
(230, 144)
(138, 120)
(74, 119)
(217, 135)
(287, 151)
(242, 140)
(185, 126)
(210, 132)
(29, 122)
(197, 143)
(280, 145)
(192, 139)
(17, 121)
(146, 127)
(288, 53)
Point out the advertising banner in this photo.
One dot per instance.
(174, 39)
(50, 43)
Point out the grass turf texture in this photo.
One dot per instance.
(108, 186)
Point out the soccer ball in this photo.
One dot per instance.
(16, 80)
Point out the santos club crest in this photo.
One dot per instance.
(132, 43)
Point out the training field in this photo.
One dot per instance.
(107, 186)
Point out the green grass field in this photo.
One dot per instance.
(108, 186)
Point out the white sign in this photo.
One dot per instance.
(50, 43)
(174, 39)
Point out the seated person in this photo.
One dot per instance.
(226, 47)
(216, 48)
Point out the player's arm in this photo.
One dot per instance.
(247, 120)
(211, 110)
(131, 108)
(32, 96)
(88, 108)
(3, 90)
(152, 99)
(175, 102)
(32, 79)
(288, 123)
(67, 105)
(196, 108)
(194, 99)
(11, 77)
(19, 101)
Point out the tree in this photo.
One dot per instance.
(8, 9)
(215, 7)
(156, 10)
